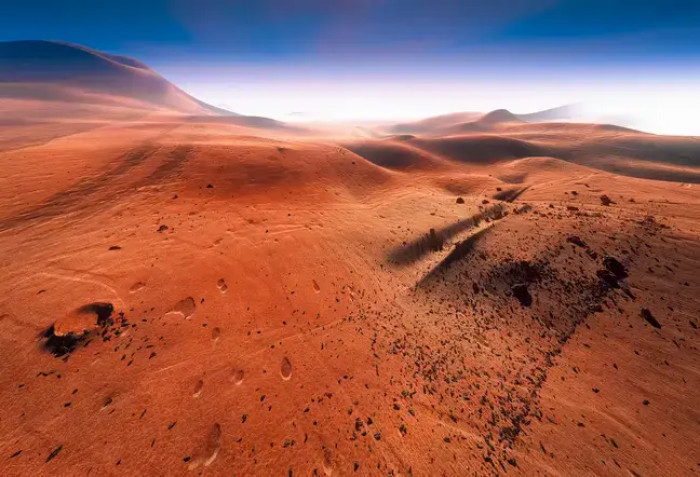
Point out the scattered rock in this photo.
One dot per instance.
(574, 239)
(608, 278)
(615, 267)
(646, 314)
(54, 453)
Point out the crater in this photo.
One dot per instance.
(198, 388)
(286, 369)
(185, 307)
(327, 461)
(237, 376)
(63, 336)
(138, 286)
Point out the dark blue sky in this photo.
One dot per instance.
(394, 58)
(260, 30)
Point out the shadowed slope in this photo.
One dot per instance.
(606, 147)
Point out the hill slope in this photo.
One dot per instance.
(48, 70)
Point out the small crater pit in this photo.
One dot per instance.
(198, 388)
(237, 376)
(286, 369)
(185, 307)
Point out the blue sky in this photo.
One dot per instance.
(265, 30)
(243, 54)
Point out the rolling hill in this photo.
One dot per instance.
(56, 71)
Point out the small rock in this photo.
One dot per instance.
(574, 239)
(54, 453)
(646, 314)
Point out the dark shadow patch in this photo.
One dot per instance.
(509, 195)
(60, 345)
(520, 271)
(521, 292)
(646, 314)
(462, 250)
(615, 267)
(480, 149)
(101, 309)
(435, 240)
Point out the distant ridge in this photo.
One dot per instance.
(499, 116)
(456, 123)
(39, 66)
(565, 112)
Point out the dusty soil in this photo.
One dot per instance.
(186, 298)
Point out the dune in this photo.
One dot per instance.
(54, 81)
(187, 292)
(397, 154)
(500, 136)
(474, 121)
(73, 67)
(428, 125)
(499, 116)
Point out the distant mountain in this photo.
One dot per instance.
(499, 116)
(51, 70)
(456, 123)
(561, 113)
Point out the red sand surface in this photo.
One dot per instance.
(190, 297)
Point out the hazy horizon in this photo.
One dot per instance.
(663, 106)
